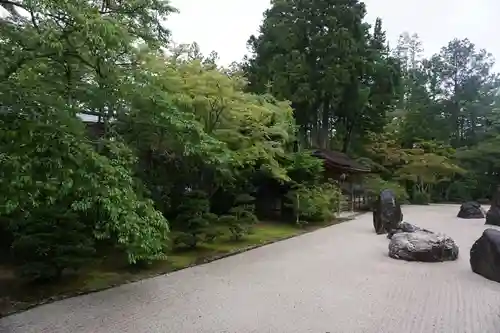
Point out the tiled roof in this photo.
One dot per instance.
(340, 160)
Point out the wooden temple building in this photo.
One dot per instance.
(349, 174)
(270, 202)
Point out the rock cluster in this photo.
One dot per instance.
(412, 243)
(407, 241)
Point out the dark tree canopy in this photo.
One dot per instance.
(332, 66)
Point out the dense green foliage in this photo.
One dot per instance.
(177, 153)
(324, 59)
(183, 151)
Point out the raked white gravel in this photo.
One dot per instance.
(338, 280)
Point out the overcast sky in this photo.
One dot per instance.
(225, 25)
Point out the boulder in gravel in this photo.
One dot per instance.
(493, 215)
(387, 212)
(422, 245)
(405, 227)
(485, 255)
(471, 210)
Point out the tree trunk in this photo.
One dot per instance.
(347, 138)
(315, 121)
(325, 126)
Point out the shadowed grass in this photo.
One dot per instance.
(261, 234)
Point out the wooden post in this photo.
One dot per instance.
(341, 181)
(352, 196)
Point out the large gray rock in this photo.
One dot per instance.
(493, 215)
(471, 210)
(405, 227)
(485, 255)
(386, 213)
(422, 245)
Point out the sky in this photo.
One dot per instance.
(225, 25)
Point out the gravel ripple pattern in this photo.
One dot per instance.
(336, 280)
